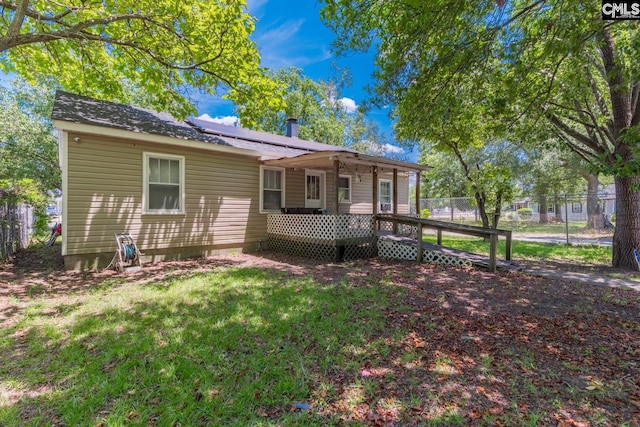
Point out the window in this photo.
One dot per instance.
(385, 195)
(576, 207)
(344, 189)
(163, 186)
(271, 189)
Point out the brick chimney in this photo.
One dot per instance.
(292, 127)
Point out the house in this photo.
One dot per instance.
(196, 188)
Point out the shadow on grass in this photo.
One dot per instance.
(393, 343)
(232, 347)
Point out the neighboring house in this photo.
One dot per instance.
(198, 188)
(576, 205)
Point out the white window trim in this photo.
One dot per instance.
(282, 193)
(323, 184)
(145, 183)
(350, 188)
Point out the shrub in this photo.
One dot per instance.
(425, 213)
(525, 213)
(511, 216)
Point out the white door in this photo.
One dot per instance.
(385, 196)
(314, 189)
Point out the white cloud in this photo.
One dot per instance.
(225, 120)
(380, 149)
(283, 32)
(255, 6)
(284, 44)
(348, 105)
(388, 148)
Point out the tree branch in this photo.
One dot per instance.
(577, 136)
(18, 18)
(38, 16)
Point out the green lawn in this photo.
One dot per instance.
(366, 343)
(220, 349)
(576, 228)
(578, 255)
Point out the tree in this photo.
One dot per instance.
(486, 173)
(321, 115)
(166, 47)
(28, 147)
(445, 179)
(314, 104)
(29, 168)
(553, 61)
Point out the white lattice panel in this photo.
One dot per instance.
(320, 227)
(444, 259)
(398, 249)
(354, 226)
(334, 237)
(407, 230)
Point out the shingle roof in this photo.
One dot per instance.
(84, 110)
(267, 138)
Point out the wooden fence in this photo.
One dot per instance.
(15, 221)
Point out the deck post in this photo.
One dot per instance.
(419, 243)
(336, 200)
(395, 199)
(439, 238)
(508, 244)
(492, 252)
(418, 193)
(375, 190)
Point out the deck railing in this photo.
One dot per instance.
(440, 226)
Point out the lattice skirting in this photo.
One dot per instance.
(394, 249)
(329, 250)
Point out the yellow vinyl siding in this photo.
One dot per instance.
(361, 192)
(105, 197)
(294, 195)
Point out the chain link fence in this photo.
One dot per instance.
(550, 218)
(16, 220)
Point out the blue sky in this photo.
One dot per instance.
(290, 33)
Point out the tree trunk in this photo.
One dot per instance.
(496, 211)
(595, 217)
(558, 209)
(544, 211)
(482, 208)
(626, 238)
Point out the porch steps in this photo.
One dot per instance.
(402, 247)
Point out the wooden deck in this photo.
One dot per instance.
(442, 254)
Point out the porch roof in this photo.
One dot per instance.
(326, 159)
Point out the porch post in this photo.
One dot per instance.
(395, 198)
(336, 173)
(395, 191)
(418, 193)
(375, 190)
